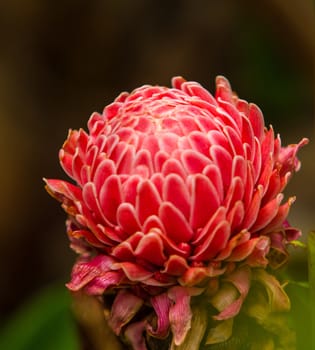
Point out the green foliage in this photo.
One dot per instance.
(43, 323)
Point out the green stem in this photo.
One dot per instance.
(311, 274)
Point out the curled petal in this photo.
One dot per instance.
(195, 275)
(134, 335)
(135, 272)
(278, 300)
(102, 282)
(196, 332)
(179, 313)
(161, 304)
(124, 308)
(230, 298)
(287, 157)
(84, 271)
(175, 266)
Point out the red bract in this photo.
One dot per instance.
(174, 187)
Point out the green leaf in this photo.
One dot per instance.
(44, 322)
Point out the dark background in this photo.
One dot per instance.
(60, 61)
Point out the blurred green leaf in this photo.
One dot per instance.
(43, 323)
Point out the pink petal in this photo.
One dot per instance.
(195, 275)
(215, 242)
(168, 142)
(200, 142)
(239, 168)
(287, 157)
(129, 189)
(101, 283)
(187, 124)
(152, 222)
(267, 146)
(175, 191)
(249, 186)
(173, 166)
(87, 236)
(175, 266)
(135, 272)
(127, 162)
(258, 257)
(223, 89)
(148, 244)
(111, 143)
(211, 225)
(143, 158)
(175, 223)
(134, 335)
(90, 198)
(124, 308)
(234, 139)
(236, 216)
(66, 162)
(110, 198)
(62, 189)
(267, 213)
(123, 251)
(233, 112)
(257, 163)
(235, 192)
(127, 218)
(84, 271)
(252, 212)
(223, 160)
(256, 119)
(77, 164)
(171, 247)
(273, 186)
(161, 304)
(280, 217)
(148, 200)
(214, 175)
(193, 161)
(240, 278)
(195, 89)
(160, 158)
(248, 134)
(242, 106)
(180, 313)
(177, 82)
(72, 142)
(235, 241)
(216, 137)
(204, 201)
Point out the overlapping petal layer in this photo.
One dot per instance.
(174, 186)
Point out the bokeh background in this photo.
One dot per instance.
(60, 61)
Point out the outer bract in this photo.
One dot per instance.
(176, 193)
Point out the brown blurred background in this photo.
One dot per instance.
(60, 61)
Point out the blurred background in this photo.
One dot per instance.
(60, 61)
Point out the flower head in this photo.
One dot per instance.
(174, 189)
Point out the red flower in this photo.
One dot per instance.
(174, 187)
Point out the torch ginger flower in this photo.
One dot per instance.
(177, 194)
